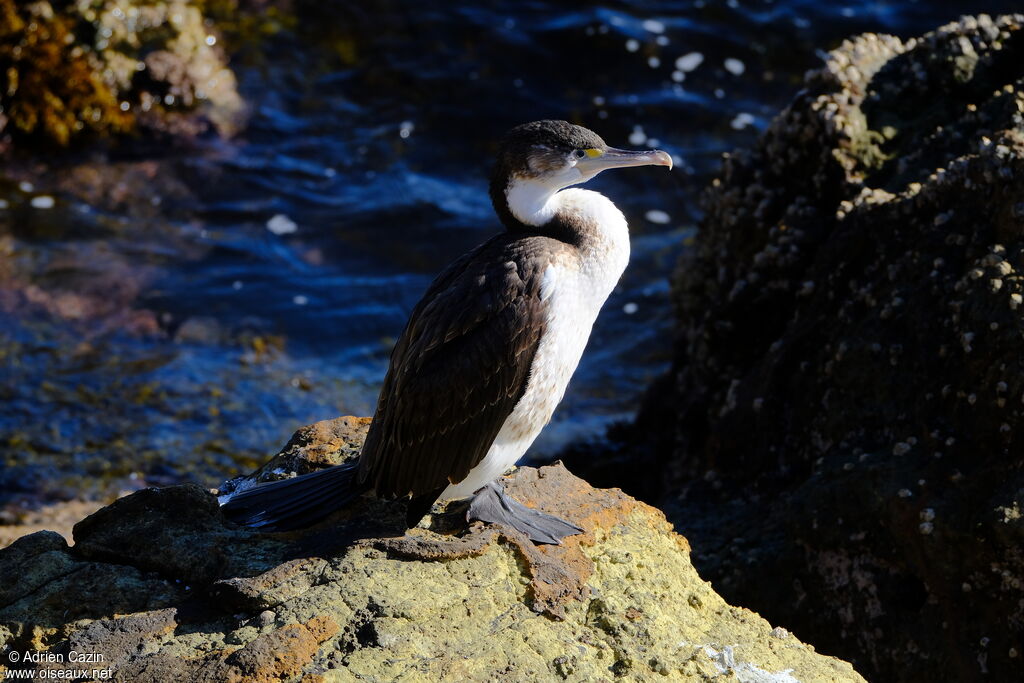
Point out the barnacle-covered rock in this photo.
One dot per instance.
(850, 362)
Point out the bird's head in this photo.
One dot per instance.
(536, 160)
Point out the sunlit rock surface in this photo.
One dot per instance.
(167, 590)
(849, 370)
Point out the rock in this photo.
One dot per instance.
(315, 446)
(49, 593)
(27, 567)
(149, 530)
(848, 379)
(68, 70)
(187, 595)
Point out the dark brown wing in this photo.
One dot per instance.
(459, 368)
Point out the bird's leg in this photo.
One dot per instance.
(492, 504)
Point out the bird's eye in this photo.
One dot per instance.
(579, 154)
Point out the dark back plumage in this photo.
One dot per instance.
(459, 368)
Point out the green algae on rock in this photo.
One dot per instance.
(101, 67)
(849, 367)
(192, 596)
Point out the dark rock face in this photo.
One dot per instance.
(849, 370)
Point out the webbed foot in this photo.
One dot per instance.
(492, 504)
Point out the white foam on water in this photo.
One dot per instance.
(689, 62)
(735, 66)
(742, 120)
(657, 216)
(43, 201)
(280, 224)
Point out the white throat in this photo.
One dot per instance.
(535, 202)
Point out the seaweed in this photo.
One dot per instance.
(50, 86)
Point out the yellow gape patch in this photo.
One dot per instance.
(593, 153)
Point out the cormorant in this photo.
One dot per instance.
(488, 351)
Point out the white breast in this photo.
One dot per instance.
(574, 291)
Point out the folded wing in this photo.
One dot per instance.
(459, 368)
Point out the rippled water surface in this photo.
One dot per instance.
(174, 313)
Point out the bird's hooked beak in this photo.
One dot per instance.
(600, 159)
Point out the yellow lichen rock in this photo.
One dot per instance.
(166, 589)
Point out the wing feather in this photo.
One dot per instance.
(459, 368)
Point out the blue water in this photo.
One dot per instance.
(164, 332)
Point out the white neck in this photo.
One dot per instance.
(600, 221)
(533, 202)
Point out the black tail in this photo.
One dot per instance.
(295, 503)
